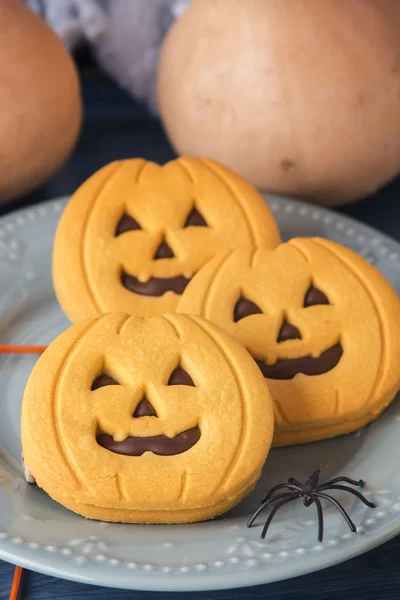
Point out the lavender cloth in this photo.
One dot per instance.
(125, 37)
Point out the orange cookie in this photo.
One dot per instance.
(135, 233)
(158, 420)
(322, 324)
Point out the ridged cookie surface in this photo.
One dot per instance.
(165, 419)
(134, 234)
(322, 323)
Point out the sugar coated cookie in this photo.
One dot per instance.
(158, 420)
(135, 233)
(322, 323)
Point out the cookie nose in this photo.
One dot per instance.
(144, 409)
(164, 251)
(288, 332)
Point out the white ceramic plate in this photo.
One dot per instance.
(37, 533)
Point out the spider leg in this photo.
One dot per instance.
(268, 502)
(360, 482)
(320, 519)
(272, 514)
(280, 486)
(308, 500)
(293, 481)
(344, 488)
(340, 508)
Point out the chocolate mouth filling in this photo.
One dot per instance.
(308, 365)
(155, 286)
(158, 444)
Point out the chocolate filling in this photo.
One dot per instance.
(314, 297)
(126, 223)
(195, 219)
(164, 251)
(103, 380)
(155, 286)
(144, 409)
(244, 308)
(288, 332)
(180, 377)
(308, 365)
(158, 444)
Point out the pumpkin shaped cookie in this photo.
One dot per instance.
(135, 233)
(322, 324)
(165, 419)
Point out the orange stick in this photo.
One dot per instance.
(7, 349)
(16, 583)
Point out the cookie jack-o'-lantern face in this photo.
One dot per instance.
(135, 233)
(164, 419)
(322, 324)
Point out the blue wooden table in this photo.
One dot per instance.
(117, 128)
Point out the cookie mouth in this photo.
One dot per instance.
(288, 368)
(158, 444)
(155, 286)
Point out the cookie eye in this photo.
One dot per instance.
(180, 377)
(195, 219)
(244, 308)
(314, 296)
(103, 380)
(126, 223)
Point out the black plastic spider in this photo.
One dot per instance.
(311, 491)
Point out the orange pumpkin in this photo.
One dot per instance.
(40, 104)
(300, 97)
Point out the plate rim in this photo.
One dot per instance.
(205, 582)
